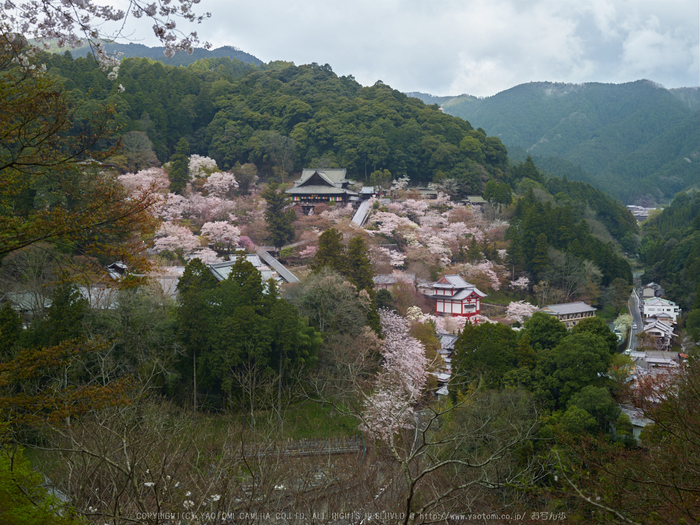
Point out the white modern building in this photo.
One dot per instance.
(661, 308)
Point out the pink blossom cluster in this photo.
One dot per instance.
(208, 208)
(195, 206)
(399, 384)
(487, 268)
(417, 208)
(206, 255)
(309, 251)
(400, 184)
(221, 232)
(201, 166)
(246, 243)
(173, 207)
(480, 319)
(155, 178)
(518, 311)
(338, 212)
(460, 231)
(174, 238)
(439, 247)
(396, 258)
(447, 324)
(221, 184)
(388, 223)
(521, 283)
(443, 199)
(432, 221)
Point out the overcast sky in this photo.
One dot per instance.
(478, 47)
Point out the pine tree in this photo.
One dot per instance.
(331, 252)
(359, 267)
(540, 257)
(279, 222)
(179, 171)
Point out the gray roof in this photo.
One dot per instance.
(221, 270)
(384, 279)
(636, 416)
(266, 264)
(447, 341)
(455, 282)
(475, 199)
(332, 177)
(578, 307)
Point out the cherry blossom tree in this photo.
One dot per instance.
(446, 324)
(308, 252)
(521, 283)
(400, 184)
(174, 238)
(70, 23)
(206, 255)
(221, 184)
(246, 243)
(519, 311)
(485, 268)
(396, 258)
(201, 167)
(155, 178)
(400, 383)
(173, 207)
(221, 232)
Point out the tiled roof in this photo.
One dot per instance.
(335, 177)
(578, 307)
(384, 279)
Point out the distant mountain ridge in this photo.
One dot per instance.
(180, 58)
(637, 140)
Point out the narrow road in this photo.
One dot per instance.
(633, 306)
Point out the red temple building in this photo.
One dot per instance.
(456, 297)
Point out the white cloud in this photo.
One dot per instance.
(478, 47)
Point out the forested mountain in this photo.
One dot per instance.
(671, 250)
(638, 140)
(287, 117)
(283, 117)
(430, 99)
(181, 58)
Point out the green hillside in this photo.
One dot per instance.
(637, 140)
(234, 112)
(181, 58)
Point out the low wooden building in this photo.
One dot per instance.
(570, 313)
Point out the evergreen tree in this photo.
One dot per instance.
(10, 330)
(179, 172)
(279, 222)
(544, 331)
(540, 257)
(331, 252)
(359, 267)
(192, 317)
(596, 326)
